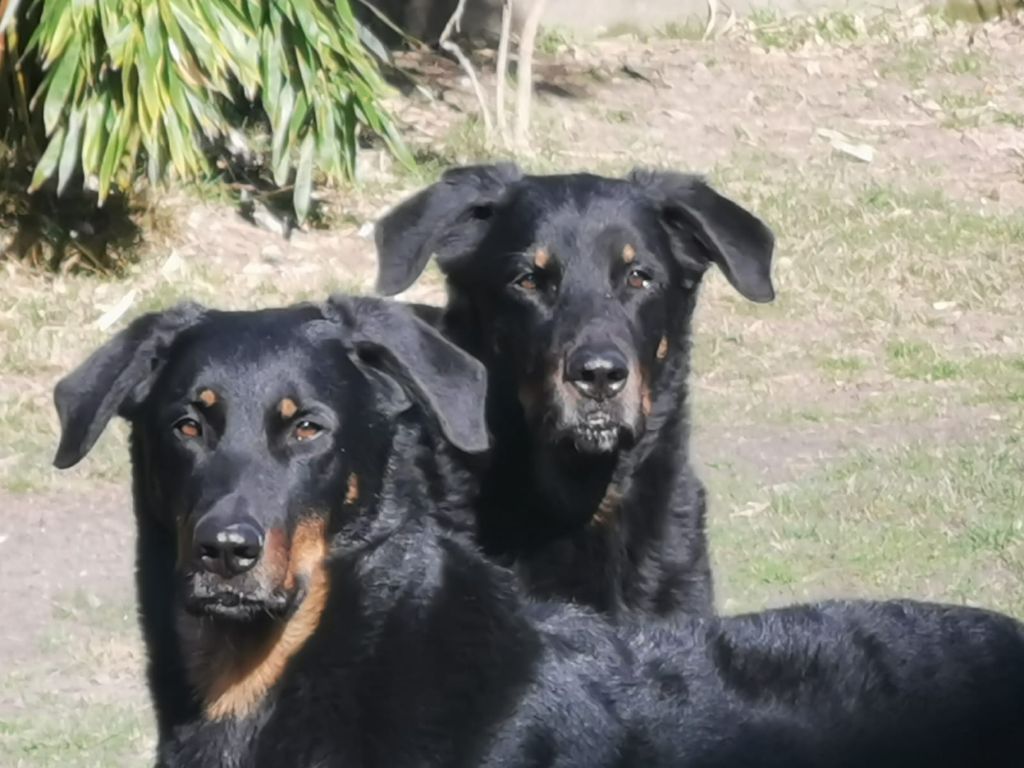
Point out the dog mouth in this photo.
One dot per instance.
(595, 439)
(596, 433)
(225, 602)
(587, 427)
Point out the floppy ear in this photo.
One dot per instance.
(114, 378)
(394, 344)
(732, 237)
(445, 219)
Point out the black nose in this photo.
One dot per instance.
(597, 371)
(227, 550)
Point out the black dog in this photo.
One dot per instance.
(315, 590)
(577, 293)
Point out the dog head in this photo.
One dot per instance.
(579, 288)
(258, 437)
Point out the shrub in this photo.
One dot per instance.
(90, 87)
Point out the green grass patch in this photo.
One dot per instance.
(960, 100)
(773, 30)
(620, 116)
(843, 366)
(62, 736)
(910, 61)
(914, 61)
(866, 253)
(967, 63)
(1014, 119)
(916, 360)
(927, 520)
(551, 40)
(686, 29)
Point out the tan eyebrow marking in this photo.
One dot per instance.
(208, 398)
(541, 257)
(288, 408)
(629, 254)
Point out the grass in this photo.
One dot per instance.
(963, 110)
(890, 249)
(1013, 119)
(920, 60)
(840, 365)
(90, 737)
(620, 116)
(914, 360)
(689, 29)
(912, 61)
(81, 700)
(968, 63)
(552, 40)
(931, 519)
(775, 31)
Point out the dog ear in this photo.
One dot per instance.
(445, 219)
(732, 237)
(114, 378)
(414, 359)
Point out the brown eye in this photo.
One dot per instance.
(527, 281)
(188, 428)
(639, 279)
(306, 430)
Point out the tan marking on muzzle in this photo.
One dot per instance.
(541, 257)
(273, 565)
(352, 494)
(287, 408)
(241, 680)
(208, 398)
(628, 254)
(662, 348)
(608, 509)
(645, 399)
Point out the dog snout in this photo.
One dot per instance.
(597, 371)
(227, 546)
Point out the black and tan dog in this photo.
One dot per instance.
(577, 292)
(313, 597)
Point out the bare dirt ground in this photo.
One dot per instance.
(863, 435)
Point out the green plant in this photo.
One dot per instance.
(553, 39)
(169, 80)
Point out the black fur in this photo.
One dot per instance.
(426, 654)
(613, 520)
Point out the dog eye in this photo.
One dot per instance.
(637, 278)
(527, 281)
(188, 427)
(306, 430)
